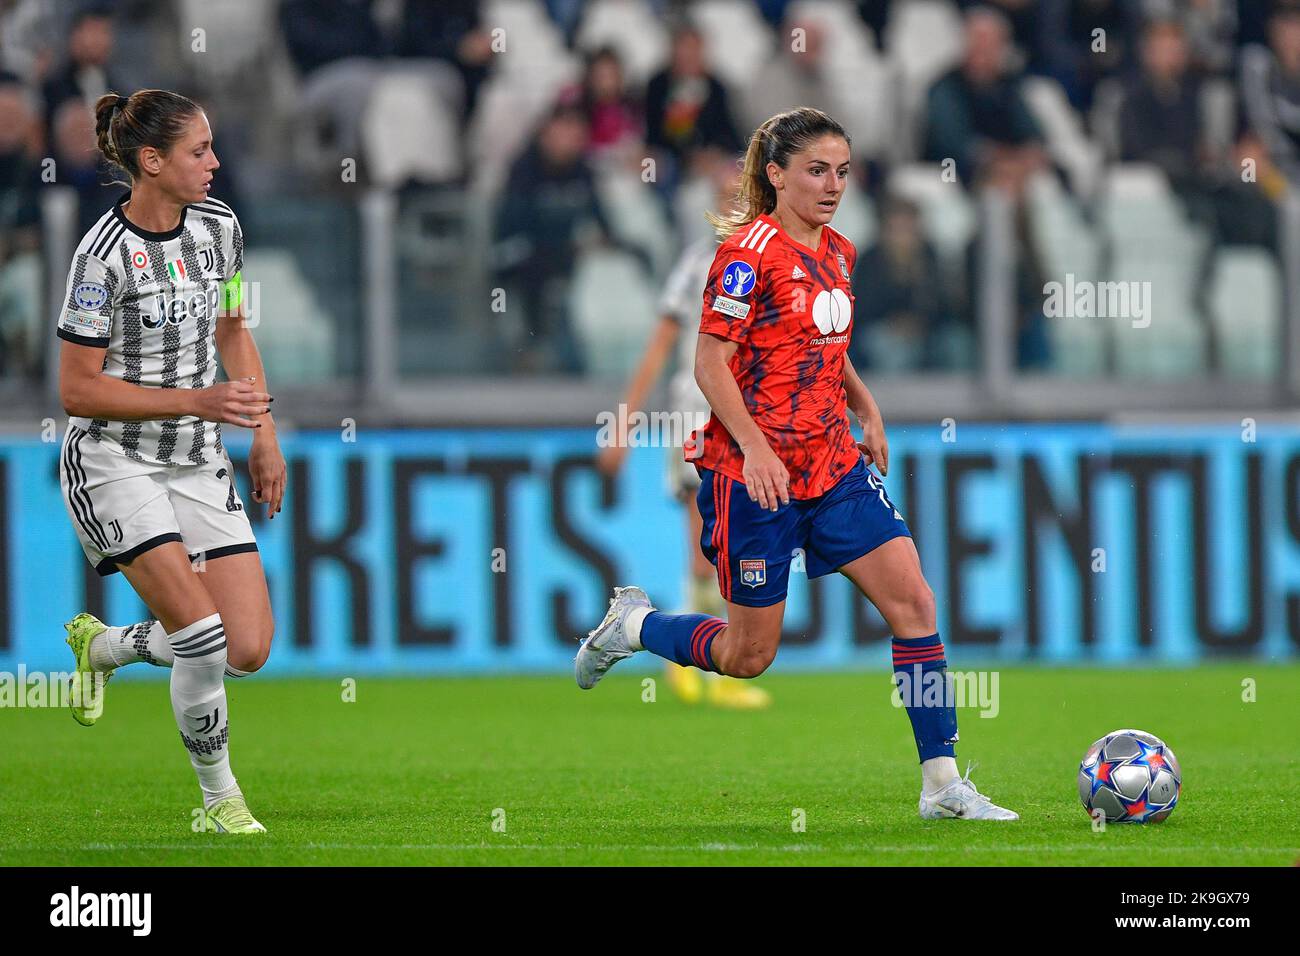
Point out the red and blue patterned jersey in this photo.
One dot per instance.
(791, 309)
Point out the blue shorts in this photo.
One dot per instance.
(752, 548)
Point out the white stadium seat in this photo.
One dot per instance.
(631, 28)
(293, 332)
(612, 305)
(1245, 307)
(737, 41)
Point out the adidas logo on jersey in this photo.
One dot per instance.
(798, 273)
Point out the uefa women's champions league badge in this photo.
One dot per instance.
(738, 278)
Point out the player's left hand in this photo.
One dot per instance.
(874, 446)
(268, 472)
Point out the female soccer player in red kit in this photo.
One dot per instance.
(779, 467)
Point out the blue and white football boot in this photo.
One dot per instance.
(608, 643)
(961, 801)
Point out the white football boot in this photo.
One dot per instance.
(608, 643)
(961, 801)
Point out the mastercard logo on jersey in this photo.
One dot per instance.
(738, 278)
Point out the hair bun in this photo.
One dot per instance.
(121, 102)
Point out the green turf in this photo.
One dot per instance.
(412, 771)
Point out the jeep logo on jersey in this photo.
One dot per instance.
(832, 311)
(177, 309)
(738, 278)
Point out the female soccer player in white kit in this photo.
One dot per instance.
(153, 297)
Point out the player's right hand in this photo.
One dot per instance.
(232, 403)
(766, 479)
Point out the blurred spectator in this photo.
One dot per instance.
(336, 45)
(20, 338)
(1033, 344)
(567, 16)
(1270, 90)
(687, 108)
(791, 78)
(773, 11)
(76, 156)
(612, 112)
(31, 32)
(85, 75)
(19, 172)
(875, 14)
(320, 32)
(547, 212)
(449, 30)
(977, 115)
(1081, 42)
(1160, 113)
(1021, 18)
(903, 320)
(1210, 27)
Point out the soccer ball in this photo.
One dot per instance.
(1131, 777)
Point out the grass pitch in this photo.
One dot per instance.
(530, 770)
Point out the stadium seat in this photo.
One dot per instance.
(738, 41)
(860, 82)
(236, 35)
(518, 94)
(1066, 141)
(1068, 245)
(409, 132)
(292, 329)
(1245, 309)
(923, 41)
(632, 29)
(1066, 240)
(947, 212)
(612, 305)
(1167, 349)
(637, 215)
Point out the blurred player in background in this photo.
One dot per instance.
(779, 467)
(154, 292)
(679, 311)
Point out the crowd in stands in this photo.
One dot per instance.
(1207, 91)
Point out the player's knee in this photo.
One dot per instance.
(751, 662)
(251, 656)
(916, 603)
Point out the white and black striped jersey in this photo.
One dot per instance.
(681, 299)
(150, 299)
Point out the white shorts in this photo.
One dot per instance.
(682, 479)
(122, 508)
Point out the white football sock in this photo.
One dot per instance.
(937, 773)
(198, 693)
(119, 646)
(236, 672)
(632, 626)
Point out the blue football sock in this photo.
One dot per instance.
(684, 638)
(921, 674)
